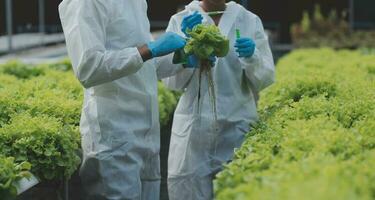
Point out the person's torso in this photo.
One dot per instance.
(132, 100)
(128, 25)
(235, 99)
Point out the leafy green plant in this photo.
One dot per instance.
(63, 65)
(40, 108)
(167, 104)
(206, 41)
(20, 70)
(43, 141)
(316, 131)
(10, 173)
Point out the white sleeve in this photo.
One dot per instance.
(164, 65)
(84, 27)
(260, 68)
(178, 78)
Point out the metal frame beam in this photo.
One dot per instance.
(41, 16)
(9, 23)
(351, 14)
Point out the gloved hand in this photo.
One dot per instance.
(166, 44)
(193, 61)
(245, 47)
(190, 21)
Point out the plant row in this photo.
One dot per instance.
(40, 110)
(316, 137)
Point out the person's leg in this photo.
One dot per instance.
(179, 188)
(112, 174)
(150, 190)
(190, 187)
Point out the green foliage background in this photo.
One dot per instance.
(315, 140)
(316, 137)
(318, 30)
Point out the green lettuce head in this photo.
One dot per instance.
(206, 41)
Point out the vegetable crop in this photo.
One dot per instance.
(39, 118)
(10, 173)
(316, 136)
(206, 41)
(40, 108)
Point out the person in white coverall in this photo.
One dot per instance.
(199, 145)
(109, 42)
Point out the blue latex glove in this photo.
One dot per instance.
(166, 44)
(189, 22)
(245, 47)
(193, 61)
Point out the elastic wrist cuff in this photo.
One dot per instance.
(151, 47)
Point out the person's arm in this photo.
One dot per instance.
(164, 65)
(145, 52)
(85, 32)
(260, 68)
(175, 77)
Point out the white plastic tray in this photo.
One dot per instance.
(25, 184)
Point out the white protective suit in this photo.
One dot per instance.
(120, 120)
(198, 150)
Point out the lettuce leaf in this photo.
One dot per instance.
(206, 41)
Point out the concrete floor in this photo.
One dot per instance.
(29, 49)
(46, 54)
(29, 40)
